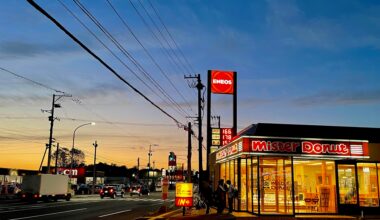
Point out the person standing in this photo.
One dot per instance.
(208, 195)
(221, 192)
(231, 195)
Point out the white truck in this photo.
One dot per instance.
(45, 187)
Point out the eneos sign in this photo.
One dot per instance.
(222, 82)
(184, 194)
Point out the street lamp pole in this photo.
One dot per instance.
(72, 148)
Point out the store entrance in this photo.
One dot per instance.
(347, 188)
(275, 175)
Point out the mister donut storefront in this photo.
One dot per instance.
(295, 169)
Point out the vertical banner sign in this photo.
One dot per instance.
(165, 188)
(215, 137)
(226, 136)
(184, 194)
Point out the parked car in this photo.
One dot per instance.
(97, 188)
(139, 190)
(112, 191)
(83, 189)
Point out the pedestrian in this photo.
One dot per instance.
(221, 196)
(231, 194)
(207, 192)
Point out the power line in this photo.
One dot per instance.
(181, 68)
(171, 37)
(163, 37)
(29, 80)
(117, 57)
(37, 7)
(147, 52)
(128, 55)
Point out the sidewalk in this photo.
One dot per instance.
(200, 214)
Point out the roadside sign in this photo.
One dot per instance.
(165, 188)
(184, 194)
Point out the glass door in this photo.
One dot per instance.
(347, 187)
(276, 185)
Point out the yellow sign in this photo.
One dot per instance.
(184, 190)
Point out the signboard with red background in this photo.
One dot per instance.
(299, 147)
(75, 172)
(184, 194)
(222, 82)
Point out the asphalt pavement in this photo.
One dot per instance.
(86, 207)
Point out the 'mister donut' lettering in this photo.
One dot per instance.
(275, 146)
(222, 81)
(318, 148)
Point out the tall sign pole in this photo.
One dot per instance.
(220, 82)
(189, 131)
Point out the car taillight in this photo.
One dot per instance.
(35, 195)
(139, 190)
(111, 190)
(101, 191)
(23, 195)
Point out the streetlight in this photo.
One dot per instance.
(72, 148)
(150, 154)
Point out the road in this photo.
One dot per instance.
(86, 207)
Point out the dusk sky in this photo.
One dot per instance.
(299, 62)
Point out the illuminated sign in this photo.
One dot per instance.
(331, 148)
(311, 147)
(215, 137)
(184, 194)
(184, 202)
(75, 172)
(184, 190)
(226, 136)
(222, 82)
(227, 151)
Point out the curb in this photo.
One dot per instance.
(162, 216)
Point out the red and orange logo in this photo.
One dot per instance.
(222, 82)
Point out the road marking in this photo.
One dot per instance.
(44, 206)
(114, 213)
(54, 213)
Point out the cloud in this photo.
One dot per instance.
(340, 98)
(359, 28)
(12, 49)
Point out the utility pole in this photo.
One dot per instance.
(51, 119)
(94, 171)
(199, 87)
(138, 163)
(189, 133)
(56, 159)
(149, 154)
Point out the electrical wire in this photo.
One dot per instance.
(129, 56)
(147, 52)
(42, 11)
(170, 35)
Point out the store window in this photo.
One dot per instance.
(236, 167)
(255, 185)
(243, 186)
(223, 171)
(249, 185)
(347, 184)
(368, 185)
(314, 186)
(276, 185)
